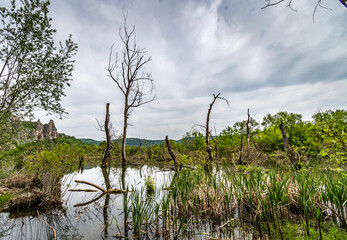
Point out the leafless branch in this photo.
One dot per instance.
(269, 4)
(319, 4)
(290, 6)
(131, 77)
(209, 148)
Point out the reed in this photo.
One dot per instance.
(336, 193)
(141, 212)
(265, 198)
(306, 195)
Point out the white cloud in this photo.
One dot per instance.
(266, 60)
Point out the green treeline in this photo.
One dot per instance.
(321, 140)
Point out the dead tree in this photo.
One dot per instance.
(248, 131)
(173, 157)
(286, 145)
(131, 79)
(110, 133)
(107, 156)
(241, 152)
(215, 141)
(207, 128)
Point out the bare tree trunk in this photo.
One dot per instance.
(286, 144)
(107, 155)
(284, 137)
(173, 157)
(124, 136)
(215, 145)
(248, 131)
(209, 148)
(208, 145)
(106, 174)
(125, 202)
(241, 151)
(131, 78)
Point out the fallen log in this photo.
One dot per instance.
(98, 187)
(91, 184)
(82, 190)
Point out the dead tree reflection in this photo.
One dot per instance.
(125, 203)
(106, 175)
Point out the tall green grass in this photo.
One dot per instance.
(264, 199)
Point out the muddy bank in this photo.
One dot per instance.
(27, 196)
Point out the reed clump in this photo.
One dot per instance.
(265, 199)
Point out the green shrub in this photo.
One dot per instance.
(150, 184)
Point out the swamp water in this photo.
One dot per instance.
(94, 215)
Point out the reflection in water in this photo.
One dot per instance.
(106, 174)
(125, 201)
(96, 215)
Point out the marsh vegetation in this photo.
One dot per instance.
(281, 178)
(262, 196)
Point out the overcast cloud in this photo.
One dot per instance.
(267, 60)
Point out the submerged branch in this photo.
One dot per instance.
(54, 232)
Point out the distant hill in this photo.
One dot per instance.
(143, 142)
(130, 141)
(90, 141)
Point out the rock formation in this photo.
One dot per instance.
(45, 132)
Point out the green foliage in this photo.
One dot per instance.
(241, 127)
(4, 199)
(51, 165)
(62, 158)
(35, 72)
(324, 137)
(288, 119)
(332, 135)
(270, 139)
(296, 231)
(227, 140)
(8, 130)
(193, 141)
(90, 141)
(70, 140)
(150, 184)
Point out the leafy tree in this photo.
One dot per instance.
(241, 127)
(33, 71)
(193, 141)
(288, 119)
(227, 140)
(331, 134)
(270, 138)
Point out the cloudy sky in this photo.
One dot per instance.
(267, 60)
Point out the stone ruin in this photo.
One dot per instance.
(44, 131)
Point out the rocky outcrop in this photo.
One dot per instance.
(37, 133)
(45, 131)
(50, 131)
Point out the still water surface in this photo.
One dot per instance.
(93, 215)
(96, 220)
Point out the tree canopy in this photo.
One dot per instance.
(34, 71)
